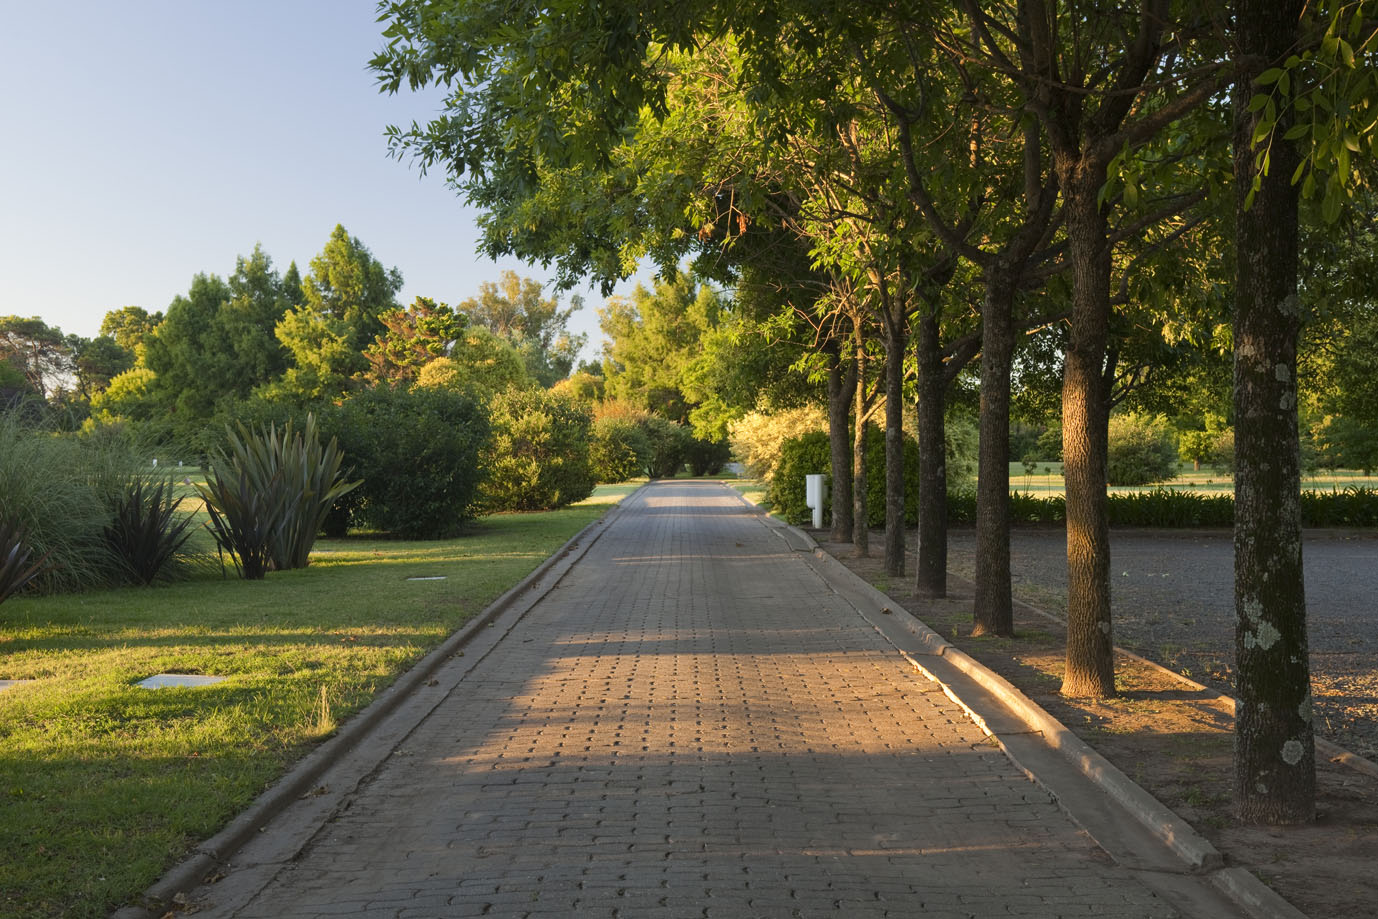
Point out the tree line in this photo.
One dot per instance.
(1096, 189)
(282, 337)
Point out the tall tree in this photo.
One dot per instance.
(653, 336)
(536, 326)
(1275, 772)
(343, 296)
(37, 351)
(130, 326)
(414, 337)
(218, 340)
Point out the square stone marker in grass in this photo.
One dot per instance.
(6, 684)
(166, 680)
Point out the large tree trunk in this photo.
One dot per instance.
(1275, 762)
(993, 610)
(861, 533)
(841, 389)
(896, 340)
(1090, 665)
(931, 578)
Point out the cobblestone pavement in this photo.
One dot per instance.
(693, 724)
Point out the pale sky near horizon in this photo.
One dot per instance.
(151, 140)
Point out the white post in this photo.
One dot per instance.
(815, 497)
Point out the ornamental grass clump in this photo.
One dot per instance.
(48, 492)
(269, 493)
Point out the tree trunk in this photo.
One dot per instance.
(1090, 665)
(993, 610)
(895, 341)
(1275, 762)
(861, 533)
(841, 389)
(931, 578)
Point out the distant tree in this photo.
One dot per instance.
(38, 351)
(98, 360)
(217, 341)
(343, 296)
(479, 360)
(130, 326)
(654, 336)
(414, 337)
(514, 309)
(130, 395)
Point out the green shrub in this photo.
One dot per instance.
(419, 454)
(800, 456)
(1168, 507)
(756, 438)
(707, 457)
(1355, 506)
(1140, 452)
(670, 444)
(1048, 448)
(1036, 509)
(809, 454)
(618, 449)
(538, 457)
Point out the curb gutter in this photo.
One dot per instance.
(211, 855)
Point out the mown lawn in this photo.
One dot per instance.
(1046, 479)
(105, 785)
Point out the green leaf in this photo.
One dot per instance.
(1269, 76)
(1297, 131)
(1346, 54)
(1330, 207)
(1258, 102)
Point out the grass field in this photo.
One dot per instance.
(104, 785)
(1047, 480)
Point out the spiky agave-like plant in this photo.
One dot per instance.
(269, 493)
(15, 569)
(144, 534)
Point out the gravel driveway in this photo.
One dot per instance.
(1173, 602)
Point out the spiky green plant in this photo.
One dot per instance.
(269, 492)
(242, 518)
(15, 570)
(144, 534)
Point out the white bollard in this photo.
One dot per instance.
(815, 496)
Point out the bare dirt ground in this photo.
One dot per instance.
(1174, 605)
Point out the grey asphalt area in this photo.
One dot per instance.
(1172, 599)
(693, 723)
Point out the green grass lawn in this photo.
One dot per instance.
(104, 785)
(1047, 480)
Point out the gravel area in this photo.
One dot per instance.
(1173, 602)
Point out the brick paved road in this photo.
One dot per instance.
(693, 724)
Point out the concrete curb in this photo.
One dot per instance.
(1329, 749)
(214, 852)
(1196, 854)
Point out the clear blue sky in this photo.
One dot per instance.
(150, 140)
